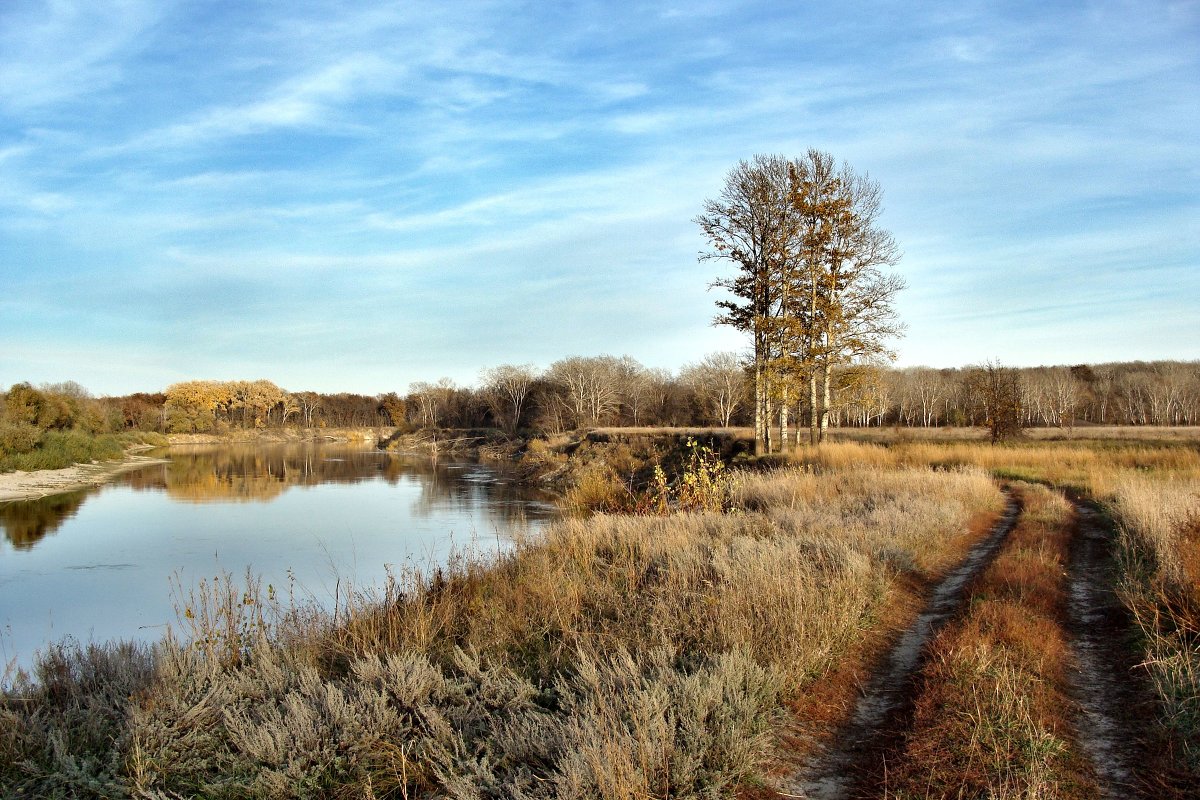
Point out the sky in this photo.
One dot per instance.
(355, 196)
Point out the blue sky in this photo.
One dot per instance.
(355, 196)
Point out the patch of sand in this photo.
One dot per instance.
(45, 482)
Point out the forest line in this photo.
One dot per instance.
(580, 392)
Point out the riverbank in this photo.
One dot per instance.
(31, 484)
(597, 469)
(645, 655)
(20, 485)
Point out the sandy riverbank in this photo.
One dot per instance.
(45, 482)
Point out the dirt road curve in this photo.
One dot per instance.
(1114, 722)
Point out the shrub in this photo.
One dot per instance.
(17, 438)
(702, 484)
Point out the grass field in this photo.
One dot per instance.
(665, 653)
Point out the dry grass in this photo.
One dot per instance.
(1151, 483)
(893, 435)
(1095, 467)
(993, 714)
(616, 656)
(663, 430)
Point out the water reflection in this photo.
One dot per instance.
(315, 517)
(26, 522)
(262, 474)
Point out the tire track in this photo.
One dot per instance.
(1117, 728)
(857, 753)
(1096, 629)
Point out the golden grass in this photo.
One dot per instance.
(893, 435)
(1096, 468)
(1159, 551)
(1149, 479)
(789, 576)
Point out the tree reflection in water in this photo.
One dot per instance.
(26, 522)
(259, 474)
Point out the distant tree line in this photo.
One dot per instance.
(591, 391)
(1119, 393)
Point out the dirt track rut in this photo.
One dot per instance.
(838, 771)
(1117, 728)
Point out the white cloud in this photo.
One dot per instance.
(308, 100)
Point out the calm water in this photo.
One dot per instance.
(97, 565)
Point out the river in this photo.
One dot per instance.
(312, 519)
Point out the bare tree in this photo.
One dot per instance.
(506, 389)
(310, 404)
(433, 400)
(719, 383)
(635, 386)
(996, 390)
(589, 386)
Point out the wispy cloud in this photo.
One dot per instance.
(277, 186)
(50, 52)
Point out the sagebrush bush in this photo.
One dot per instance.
(64, 733)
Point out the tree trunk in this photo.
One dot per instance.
(759, 397)
(812, 406)
(825, 401)
(783, 422)
(768, 413)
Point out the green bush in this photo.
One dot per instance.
(17, 438)
(58, 449)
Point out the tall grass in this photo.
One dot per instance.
(615, 656)
(1095, 467)
(1153, 489)
(1159, 551)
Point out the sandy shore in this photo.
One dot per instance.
(44, 482)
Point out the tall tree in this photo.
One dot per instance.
(811, 288)
(849, 314)
(750, 224)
